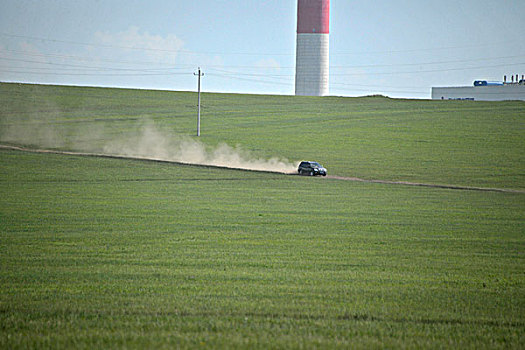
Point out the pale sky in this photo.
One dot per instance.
(398, 48)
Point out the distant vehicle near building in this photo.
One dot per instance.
(487, 83)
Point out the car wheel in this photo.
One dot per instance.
(311, 173)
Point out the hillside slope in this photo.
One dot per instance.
(465, 143)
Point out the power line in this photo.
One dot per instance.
(90, 59)
(426, 63)
(186, 66)
(418, 88)
(143, 48)
(90, 67)
(89, 44)
(383, 90)
(251, 80)
(252, 74)
(433, 70)
(236, 72)
(333, 53)
(427, 49)
(8, 70)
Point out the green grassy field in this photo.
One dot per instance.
(466, 143)
(98, 253)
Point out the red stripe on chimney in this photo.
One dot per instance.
(313, 16)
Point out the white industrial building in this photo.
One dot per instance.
(482, 91)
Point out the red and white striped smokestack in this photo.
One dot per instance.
(312, 56)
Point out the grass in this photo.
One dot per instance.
(134, 254)
(103, 252)
(467, 143)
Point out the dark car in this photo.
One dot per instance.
(311, 168)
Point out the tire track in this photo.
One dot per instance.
(116, 156)
(420, 184)
(330, 177)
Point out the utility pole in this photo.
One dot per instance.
(199, 102)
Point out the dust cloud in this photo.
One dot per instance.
(152, 143)
(144, 141)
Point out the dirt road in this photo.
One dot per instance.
(407, 183)
(329, 177)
